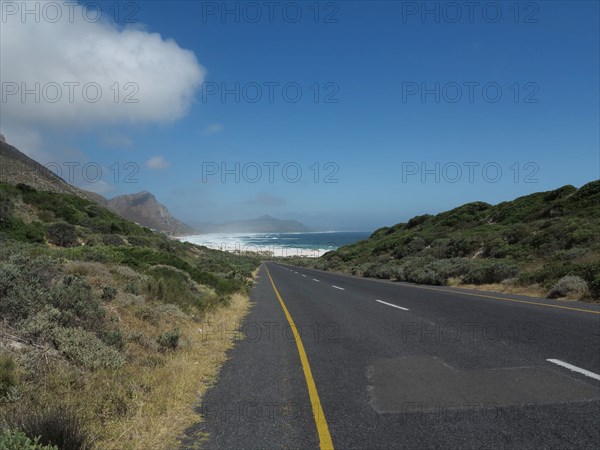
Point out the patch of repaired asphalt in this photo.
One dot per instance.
(426, 383)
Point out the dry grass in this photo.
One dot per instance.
(158, 418)
(499, 288)
(97, 274)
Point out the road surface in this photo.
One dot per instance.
(371, 364)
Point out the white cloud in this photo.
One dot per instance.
(163, 77)
(157, 163)
(214, 128)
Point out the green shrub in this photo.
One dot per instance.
(37, 297)
(571, 254)
(132, 288)
(108, 293)
(139, 241)
(38, 327)
(112, 240)
(114, 338)
(86, 349)
(24, 285)
(462, 246)
(169, 340)
(8, 375)
(496, 248)
(92, 241)
(6, 207)
(95, 255)
(62, 234)
(15, 228)
(78, 307)
(594, 286)
(422, 271)
(174, 286)
(17, 440)
(569, 285)
(516, 233)
(417, 220)
(142, 257)
(385, 271)
(486, 272)
(25, 188)
(428, 270)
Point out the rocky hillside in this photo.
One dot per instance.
(143, 208)
(16, 167)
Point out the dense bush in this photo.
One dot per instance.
(428, 270)
(15, 228)
(47, 305)
(417, 220)
(384, 271)
(24, 284)
(169, 340)
(174, 286)
(108, 293)
(571, 254)
(569, 285)
(594, 287)
(486, 272)
(8, 375)
(6, 207)
(113, 338)
(112, 239)
(462, 246)
(140, 241)
(78, 307)
(85, 348)
(62, 234)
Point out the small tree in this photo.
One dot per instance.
(62, 234)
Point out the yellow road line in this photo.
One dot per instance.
(325, 441)
(501, 298)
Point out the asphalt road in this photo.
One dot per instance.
(392, 365)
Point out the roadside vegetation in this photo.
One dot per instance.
(547, 243)
(103, 342)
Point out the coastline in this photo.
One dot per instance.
(285, 244)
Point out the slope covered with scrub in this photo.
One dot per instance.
(105, 326)
(536, 240)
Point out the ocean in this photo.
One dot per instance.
(312, 245)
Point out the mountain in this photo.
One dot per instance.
(16, 167)
(262, 224)
(546, 241)
(143, 208)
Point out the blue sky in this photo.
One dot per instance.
(542, 132)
